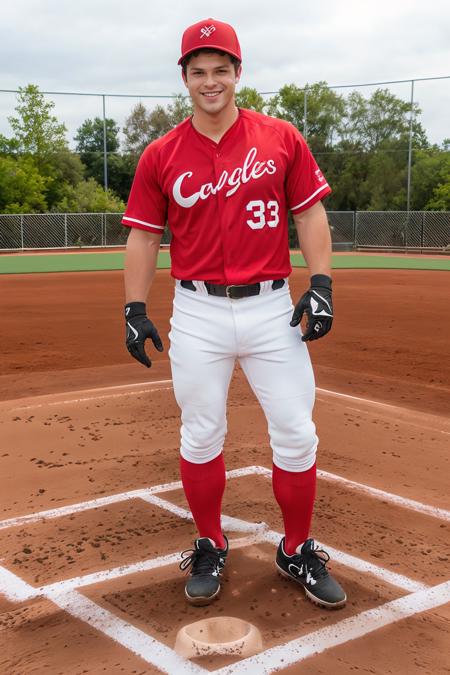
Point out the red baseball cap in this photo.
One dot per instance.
(210, 34)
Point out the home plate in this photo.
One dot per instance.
(225, 635)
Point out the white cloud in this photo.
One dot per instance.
(117, 47)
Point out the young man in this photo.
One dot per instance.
(224, 181)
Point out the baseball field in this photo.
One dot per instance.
(93, 514)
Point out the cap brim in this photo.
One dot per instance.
(218, 47)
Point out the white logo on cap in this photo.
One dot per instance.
(206, 31)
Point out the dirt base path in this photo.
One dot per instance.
(90, 549)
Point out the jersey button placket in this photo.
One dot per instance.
(218, 168)
(220, 164)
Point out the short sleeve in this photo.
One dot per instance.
(147, 205)
(305, 183)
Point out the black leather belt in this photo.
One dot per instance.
(234, 291)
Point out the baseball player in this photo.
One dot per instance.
(223, 181)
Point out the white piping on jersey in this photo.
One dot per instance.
(239, 175)
(311, 197)
(142, 222)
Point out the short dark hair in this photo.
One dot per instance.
(184, 64)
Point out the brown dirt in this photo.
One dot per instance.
(64, 333)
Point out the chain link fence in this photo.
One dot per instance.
(402, 229)
(63, 230)
(395, 230)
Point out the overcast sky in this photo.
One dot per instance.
(132, 47)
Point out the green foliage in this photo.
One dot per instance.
(380, 119)
(179, 109)
(361, 144)
(89, 197)
(430, 175)
(22, 188)
(441, 198)
(250, 99)
(144, 126)
(36, 130)
(89, 137)
(324, 115)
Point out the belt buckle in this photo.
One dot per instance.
(229, 290)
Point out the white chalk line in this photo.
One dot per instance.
(124, 633)
(360, 625)
(14, 588)
(268, 661)
(133, 568)
(146, 387)
(163, 657)
(150, 387)
(112, 499)
(274, 537)
(69, 510)
(363, 566)
(404, 502)
(230, 523)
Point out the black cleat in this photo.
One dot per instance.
(308, 568)
(207, 563)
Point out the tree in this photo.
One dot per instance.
(430, 171)
(137, 130)
(179, 109)
(324, 112)
(440, 200)
(89, 197)
(89, 137)
(380, 119)
(90, 145)
(64, 169)
(250, 99)
(38, 134)
(36, 130)
(22, 188)
(143, 126)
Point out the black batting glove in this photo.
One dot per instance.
(139, 328)
(317, 304)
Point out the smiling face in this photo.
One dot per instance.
(211, 80)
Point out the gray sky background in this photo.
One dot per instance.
(132, 47)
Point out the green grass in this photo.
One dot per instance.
(69, 262)
(90, 262)
(367, 261)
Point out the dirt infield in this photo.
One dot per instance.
(93, 517)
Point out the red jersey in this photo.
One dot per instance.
(226, 203)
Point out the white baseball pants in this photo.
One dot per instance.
(208, 334)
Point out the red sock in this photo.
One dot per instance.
(295, 494)
(204, 485)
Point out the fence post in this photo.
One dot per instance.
(21, 232)
(305, 113)
(422, 231)
(411, 117)
(65, 230)
(105, 153)
(356, 228)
